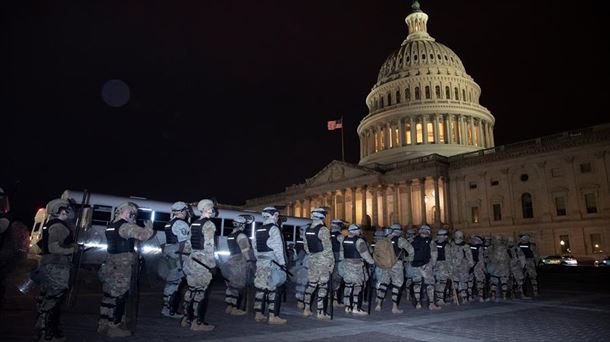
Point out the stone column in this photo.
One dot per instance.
(448, 133)
(340, 195)
(306, 207)
(491, 135)
(437, 203)
(408, 204)
(387, 135)
(401, 132)
(289, 210)
(424, 129)
(446, 196)
(481, 141)
(363, 189)
(471, 123)
(375, 217)
(384, 210)
(422, 192)
(396, 208)
(353, 220)
(413, 131)
(436, 135)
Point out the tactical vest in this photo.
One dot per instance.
(262, 235)
(422, 255)
(234, 248)
(527, 250)
(313, 241)
(170, 237)
(440, 248)
(461, 244)
(349, 248)
(335, 242)
(397, 249)
(45, 235)
(116, 243)
(510, 252)
(197, 238)
(475, 252)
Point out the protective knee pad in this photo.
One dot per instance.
(381, 290)
(396, 294)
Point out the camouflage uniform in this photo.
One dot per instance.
(268, 246)
(517, 263)
(461, 263)
(198, 268)
(321, 264)
(116, 273)
(477, 272)
(531, 260)
(442, 269)
(498, 267)
(335, 238)
(354, 250)
(424, 259)
(177, 237)
(235, 270)
(57, 249)
(395, 275)
(409, 270)
(300, 270)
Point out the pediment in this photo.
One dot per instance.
(337, 171)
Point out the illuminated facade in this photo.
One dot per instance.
(427, 155)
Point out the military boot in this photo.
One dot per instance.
(237, 312)
(102, 327)
(307, 311)
(228, 309)
(260, 317)
(167, 313)
(201, 326)
(185, 322)
(273, 319)
(359, 312)
(323, 316)
(418, 305)
(378, 304)
(115, 330)
(300, 305)
(395, 309)
(433, 306)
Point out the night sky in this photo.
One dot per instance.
(230, 98)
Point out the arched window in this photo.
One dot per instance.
(428, 92)
(437, 90)
(407, 95)
(417, 94)
(447, 93)
(457, 94)
(527, 205)
(382, 102)
(463, 95)
(376, 104)
(398, 96)
(389, 99)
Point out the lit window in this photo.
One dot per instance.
(596, 243)
(564, 244)
(475, 214)
(419, 133)
(430, 133)
(408, 134)
(441, 131)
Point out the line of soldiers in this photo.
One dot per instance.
(339, 264)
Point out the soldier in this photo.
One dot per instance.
(300, 269)
(461, 263)
(57, 248)
(177, 236)
(477, 272)
(198, 268)
(321, 262)
(268, 245)
(6, 251)
(517, 264)
(531, 260)
(409, 270)
(335, 239)
(354, 250)
(424, 259)
(442, 269)
(235, 270)
(498, 267)
(395, 275)
(116, 272)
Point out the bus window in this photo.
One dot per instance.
(143, 215)
(161, 220)
(288, 232)
(36, 227)
(101, 216)
(228, 227)
(218, 223)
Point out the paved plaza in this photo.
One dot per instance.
(574, 306)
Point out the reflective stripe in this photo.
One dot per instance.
(310, 233)
(350, 242)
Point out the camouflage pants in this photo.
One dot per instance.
(175, 275)
(116, 275)
(198, 278)
(354, 275)
(477, 275)
(235, 273)
(267, 279)
(394, 276)
(423, 274)
(442, 271)
(337, 279)
(530, 272)
(52, 293)
(317, 278)
(461, 273)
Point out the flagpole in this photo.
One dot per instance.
(342, 144)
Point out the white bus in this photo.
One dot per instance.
(97, 213)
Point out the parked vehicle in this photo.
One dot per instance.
(603, 262)
(558, 260)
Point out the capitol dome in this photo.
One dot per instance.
(424, 102)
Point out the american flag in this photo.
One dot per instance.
(335, 124)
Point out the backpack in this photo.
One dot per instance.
(384, 254)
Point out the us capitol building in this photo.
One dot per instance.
(427, 155)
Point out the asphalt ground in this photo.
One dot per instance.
(574, 305)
